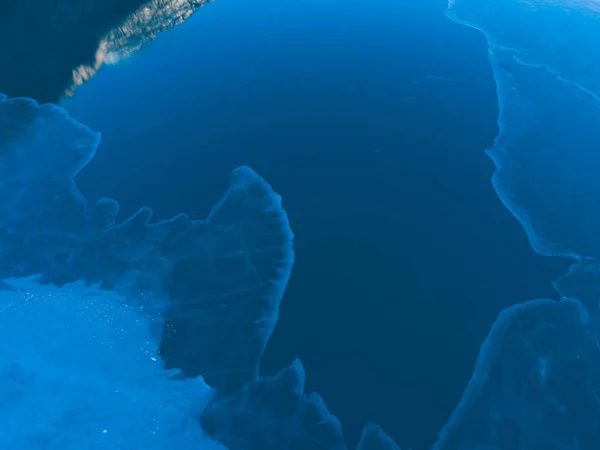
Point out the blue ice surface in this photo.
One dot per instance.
(536, 383)
(229, 269)
(374, 438)
(548, 86)
(79, 369)
(106, 293)
(140, 334)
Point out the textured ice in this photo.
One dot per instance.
(273, 413)
(374, 438)
(169, 302)
(109, 330)
(79, 369)
(226, 274)
(230, 269)
(548, 86)
(537, 379)
(535, 385)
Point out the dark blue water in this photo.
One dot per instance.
(370, 119)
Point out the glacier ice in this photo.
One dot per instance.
(374, 438)
(273, 413)
(79, 369)
(230, 269)
(549, 95)
(536, 382)
(183, 302)
(111, 329)
(228, 272)
(226, 287)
